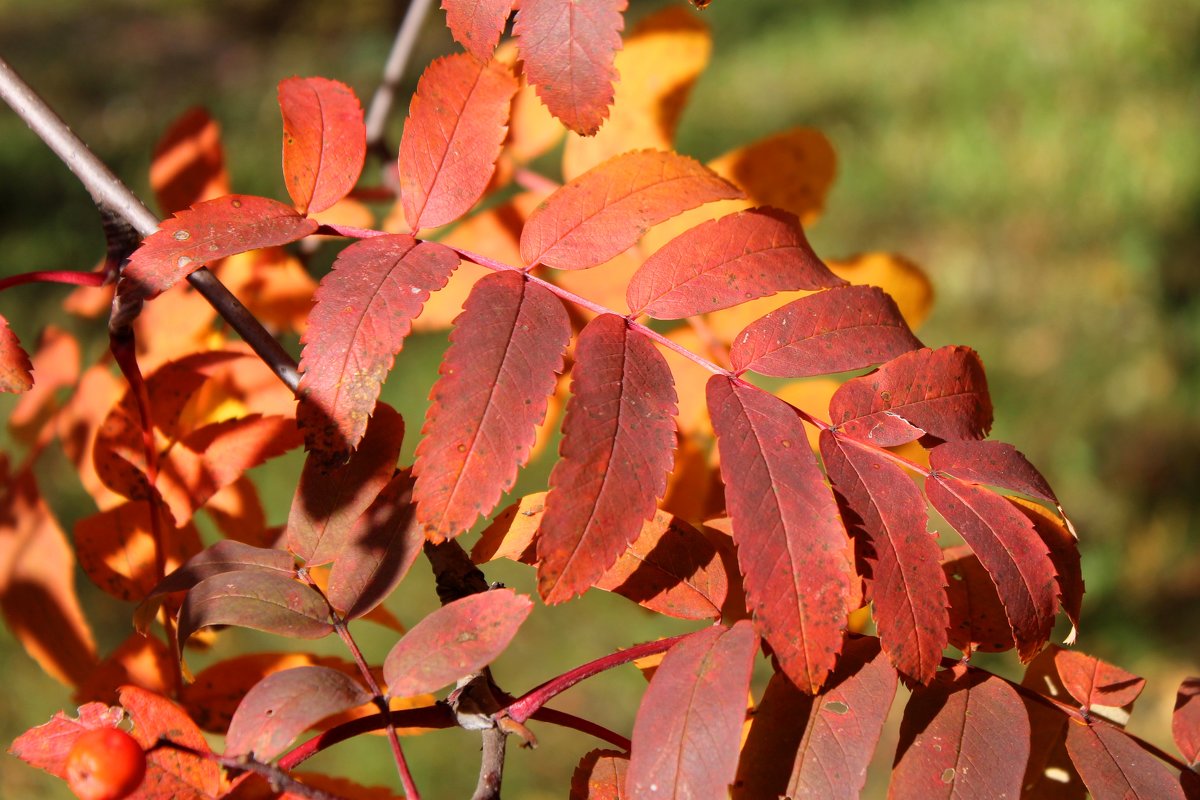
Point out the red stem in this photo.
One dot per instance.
(55, 276)
(582, 725)
(524, 706)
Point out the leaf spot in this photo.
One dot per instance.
(835, 707)
(947, 775)
(184, 261)
(182, 236)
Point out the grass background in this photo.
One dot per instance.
(1041, 161)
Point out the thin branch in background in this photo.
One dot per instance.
(393, 72)
(117, 202)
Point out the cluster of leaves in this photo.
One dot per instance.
(683, 484)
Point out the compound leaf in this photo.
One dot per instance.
(1010, 550)
(792, 547)
(568, 48)
(206, 232)
(331, 496)
(477, 24)
(942, 393)
(324, 141)
(618, 438)
(362, 312)
(264, 601)
(285, 704)
(495, 378)
(727, 261)
(456, 125)
(905, 578)
(964, 735)
(456, 640)
(802, 745)
(605, 211)
(689, 723)
(845, 328)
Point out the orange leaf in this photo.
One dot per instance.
(118, 549)
(477, 24)
(456, 125)
(14, 362)
(188, 165)
(607, 209)
(56, 366)
(324, 141)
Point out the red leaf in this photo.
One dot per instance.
(362, 313)
(1064, 552)
(671, 568)
(170, 773)
(496, 376)
(264, 601)
(457, 121)
(188, 166)
(791, 543)
(46, 746)
(203, 234)
(606, 210)
(600, 776)
(379, 550)
(838, 330)
(285, 704)
(689, 723)
(15, 367)
(905, 577)
(1095, 682)
(941, 392)
(568, 48)
(1049, 775)
(477, 24)
(330, 496)
(324, 141)
(977, 617)
(212, 457)
(964, 735)
(456, 640)
(1010, 550)
(618, 440)
(797, 748)
(727, 261)
(1185, 723)
(993, 463)
(1113, 766)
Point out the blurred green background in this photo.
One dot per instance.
(1040, 160)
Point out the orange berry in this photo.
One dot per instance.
(105, 764)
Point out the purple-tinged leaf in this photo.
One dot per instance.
(841, 329)
(456, 640)
(728, 261)
(904, 576)
(1010, 550)
(792, 546)
(379, 550)
(330, 497)
(689, 723)
(264, 601)
(362, 312)
(505, 352)
(964, 735)
(205, 233)
(942, 393)
(618, 441)
(285, 704)
(1114, 767)
(802, 745)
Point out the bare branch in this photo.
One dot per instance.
(393, 72)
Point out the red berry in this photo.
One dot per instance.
(105, 764)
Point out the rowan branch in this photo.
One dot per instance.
(393, 72)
